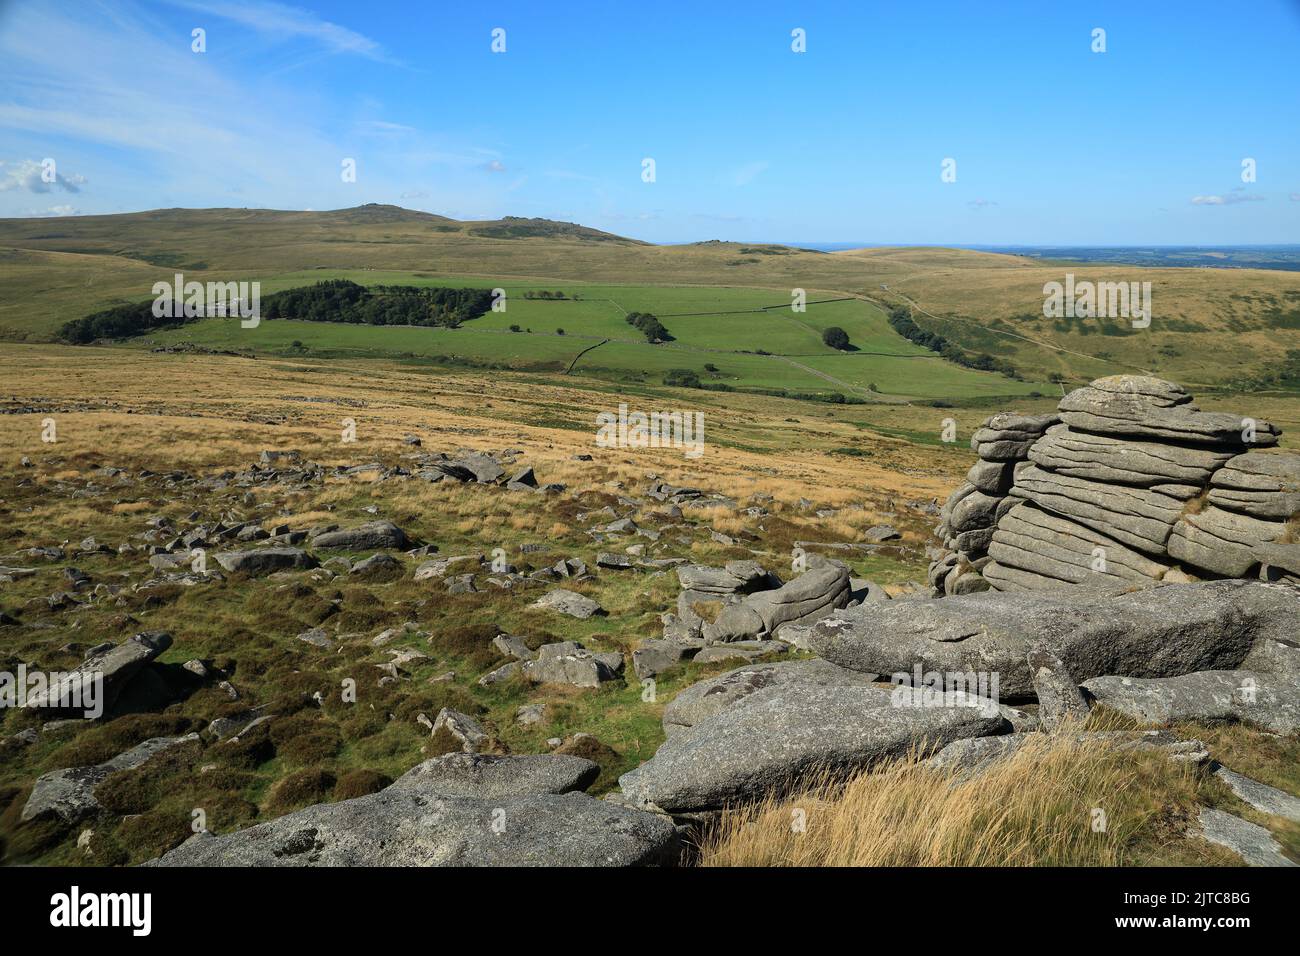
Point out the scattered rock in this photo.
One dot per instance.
(570, 603)
(265, 560)
(367, 537)
(113, 666)
(568, 662)
(70, 794)
(378, 566)
(1059, 699)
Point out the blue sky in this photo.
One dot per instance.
(1053, 143)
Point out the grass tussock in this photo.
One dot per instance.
(1054, 803)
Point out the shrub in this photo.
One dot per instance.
(106, 741)
(147, 835)
(300, 789)
(836, 337)
(682, 378)
(358, 783)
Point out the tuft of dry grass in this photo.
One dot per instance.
(1056, 802)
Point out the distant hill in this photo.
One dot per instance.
(1210, 326)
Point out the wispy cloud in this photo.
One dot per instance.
(746, 174)
(383, 127)
(52, 212)
(981, 203)
(493, 166)
(283, 21)
(127, 103)
(1231, 199)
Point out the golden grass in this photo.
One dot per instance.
(184, 414)
(1041, 807)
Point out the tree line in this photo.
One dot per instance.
(900, 319)
(340, 300)
(331, 300)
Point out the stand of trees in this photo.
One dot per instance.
(333, 300)
(340, 300)
(119, 322)
(650, 327)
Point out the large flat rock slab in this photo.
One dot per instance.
(398, 827)
(1268, 700)
(775, 739)
(366, 537)
(260, 561)
(491, 777)
(1261, 796)
(708, 697)
(113, 668)
(1161, 631)
(1149, 408)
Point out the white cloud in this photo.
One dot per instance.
(30, 175)
(1231, 199)
(493, 166)
(52, 211)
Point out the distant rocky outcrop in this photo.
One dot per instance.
(1129, 484)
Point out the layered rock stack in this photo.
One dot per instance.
(974, 511)
(1130, 485)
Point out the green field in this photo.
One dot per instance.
(724, 327)
(1212, 328)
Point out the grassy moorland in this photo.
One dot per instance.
(170, 421)
(184, 417)
(161, 432)
(1210, 327)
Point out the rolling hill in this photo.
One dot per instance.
(1210, 327)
